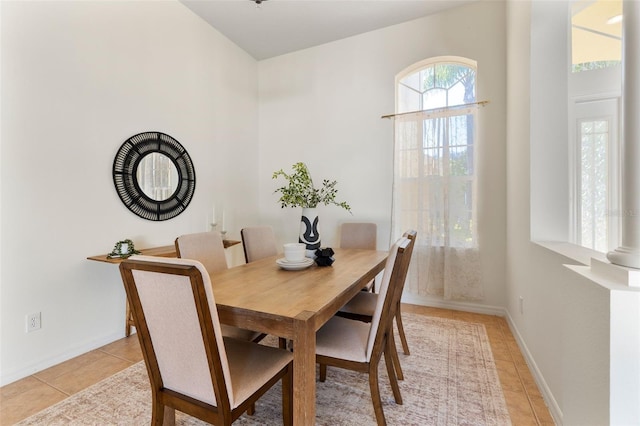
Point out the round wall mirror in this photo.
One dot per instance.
(154, 176)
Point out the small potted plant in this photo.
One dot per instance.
(300, 192)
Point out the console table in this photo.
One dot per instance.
(163, 251)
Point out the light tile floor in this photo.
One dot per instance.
(27, 396)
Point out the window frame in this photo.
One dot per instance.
(613, 165)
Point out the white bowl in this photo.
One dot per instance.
(294, 252)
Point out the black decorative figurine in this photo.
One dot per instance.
(324, 256)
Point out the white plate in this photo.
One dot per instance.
(294, 266)
(284, 260)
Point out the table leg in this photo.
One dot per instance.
(304, 370)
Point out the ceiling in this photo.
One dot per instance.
(277, 27)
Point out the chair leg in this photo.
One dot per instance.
(168, 416)
(403, 338)
(323, 372)
(375, 394)
(388, 360)
(282, 343)
(157, 413)
(394, 356)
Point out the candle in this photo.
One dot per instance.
(213, 215)
(224, 227)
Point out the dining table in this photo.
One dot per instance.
(294, 304)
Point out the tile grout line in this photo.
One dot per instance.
(512, 361)
(117, 356)
(51, 385)
(72, 393)
(524, 387)
(522, 384)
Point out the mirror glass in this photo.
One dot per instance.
(157, 176)
(154, 176)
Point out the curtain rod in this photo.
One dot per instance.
(437, 110)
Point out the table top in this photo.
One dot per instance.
(162, 251)
(272, 292)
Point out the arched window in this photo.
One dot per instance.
(435, 175)
(436, 84)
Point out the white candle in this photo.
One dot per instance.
(213, 215)
(224, 227)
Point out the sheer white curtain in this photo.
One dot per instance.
(434, 192)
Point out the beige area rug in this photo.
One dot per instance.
(450, 379)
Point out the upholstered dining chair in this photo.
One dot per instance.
(358, 346)
(208, 249)
(258, 242)
(205, 247)
(363, 305)
(192, 367)
(359, 236)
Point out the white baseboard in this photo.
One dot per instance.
(552, 404)
(10, 377)
(456, 306)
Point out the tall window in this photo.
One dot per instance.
(596, 175)
(594, 95)
(435, 175)
(594, 139)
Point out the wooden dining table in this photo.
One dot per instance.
(294, 304)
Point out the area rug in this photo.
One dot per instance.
(450, 379)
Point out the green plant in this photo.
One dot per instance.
(300, 192)
(123, 249)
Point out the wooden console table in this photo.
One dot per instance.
(163, 251)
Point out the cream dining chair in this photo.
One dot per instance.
(205, 247)
(192, 367)
(359, 236)
(208, 249)
(358, 346)
(362, 307)
(258, 242)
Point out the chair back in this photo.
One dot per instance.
(176, 320)
(394, 274)
(358, 235)
(411, 234)
(205, 247)
(258, 242)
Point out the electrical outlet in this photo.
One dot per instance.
(34, 322)
(521, 305)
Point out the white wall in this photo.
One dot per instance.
(323, 105)
(78, 78)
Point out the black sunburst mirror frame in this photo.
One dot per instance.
(125, 166)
